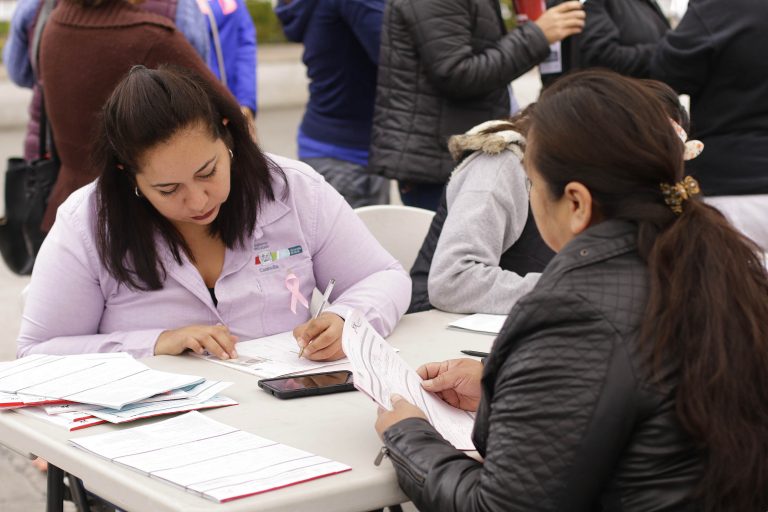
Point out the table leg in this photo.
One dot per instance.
(55, 498)
(79, 495)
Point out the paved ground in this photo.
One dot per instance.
(282, 94)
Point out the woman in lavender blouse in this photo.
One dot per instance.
(192, 238)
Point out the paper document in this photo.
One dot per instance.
(71, 421)
(380, 372)
(208, 458)
(108, 382)
(272, 356)
(488, 324)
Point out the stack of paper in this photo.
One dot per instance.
(274, 356)
(208, 458)
(95, 388)
(379, 372)
(487, 324)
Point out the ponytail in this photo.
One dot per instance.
(708, 311)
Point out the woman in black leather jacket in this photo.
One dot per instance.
(633, 377)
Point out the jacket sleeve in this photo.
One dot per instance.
(683, 57)
(16, 50)
(558, 419)
(192, 23)
(487, 211)
(365, 18)
(245, 89)
(442, 35)
(367, 277)
(65, 301)
(601, 47)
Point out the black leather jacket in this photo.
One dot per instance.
(444, 67)
(569, 420)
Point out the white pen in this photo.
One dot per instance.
(326, 296)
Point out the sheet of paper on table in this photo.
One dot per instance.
(107, 382)
(479, 322)
(208, 458)
(380, 372)
(274, 356)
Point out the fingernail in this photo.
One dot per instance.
(395, 398)
(301, 342)
(224, 356)
(234, 355)
(427, 383)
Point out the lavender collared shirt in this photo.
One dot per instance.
(75, 306)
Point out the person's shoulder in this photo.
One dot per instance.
(487, 172)
(81, 203)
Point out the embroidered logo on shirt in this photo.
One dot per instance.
(266, 257)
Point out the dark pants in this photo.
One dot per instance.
(352, 181)
(421, 195)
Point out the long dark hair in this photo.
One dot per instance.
(707, 311)
(148, 107)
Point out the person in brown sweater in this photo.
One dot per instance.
(86, 48)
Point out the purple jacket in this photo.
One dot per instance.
(75, 306)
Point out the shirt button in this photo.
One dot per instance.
(584, 252)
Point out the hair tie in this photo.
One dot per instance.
(693, 148)
(675, 195)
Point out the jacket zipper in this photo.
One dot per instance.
(400, 462)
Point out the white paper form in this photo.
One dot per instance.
(69, 421)
(380, 372)
(209, 458)
(479, 322)
(272, 356)
(132, 412)
(108, 382)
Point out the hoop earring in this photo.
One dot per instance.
(231, 155)
(136, 191)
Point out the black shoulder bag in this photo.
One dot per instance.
(28, 186)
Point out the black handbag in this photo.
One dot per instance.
(28, 186)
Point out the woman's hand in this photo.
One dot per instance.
(216, 339)
(561, 21)
(456, 381)
(321, 337)
(401, 409)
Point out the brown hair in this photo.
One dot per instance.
(149, 107)
(707, 310)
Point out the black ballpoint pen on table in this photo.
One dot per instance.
(326, 296)
(475, 353)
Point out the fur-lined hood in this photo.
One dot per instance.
(490, 143)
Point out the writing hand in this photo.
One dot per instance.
(321, 337)
(216, 339)
(456, 381)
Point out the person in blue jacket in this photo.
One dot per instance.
(236, 66)
(341, 53)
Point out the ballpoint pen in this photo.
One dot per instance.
(326, 296)
(475, 353)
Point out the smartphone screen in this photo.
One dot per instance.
(307, 385)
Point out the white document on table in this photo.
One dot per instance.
(108, 382)
(479, 322)
(272, 356)
(208, 458)
(71, 421)
(380, 372)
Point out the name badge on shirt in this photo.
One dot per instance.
(266, 259)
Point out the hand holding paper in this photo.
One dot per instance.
(380, 373)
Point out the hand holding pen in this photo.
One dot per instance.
(320, 338)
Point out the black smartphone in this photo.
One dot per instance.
(309, 384)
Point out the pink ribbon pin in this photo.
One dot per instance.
(292, 283)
